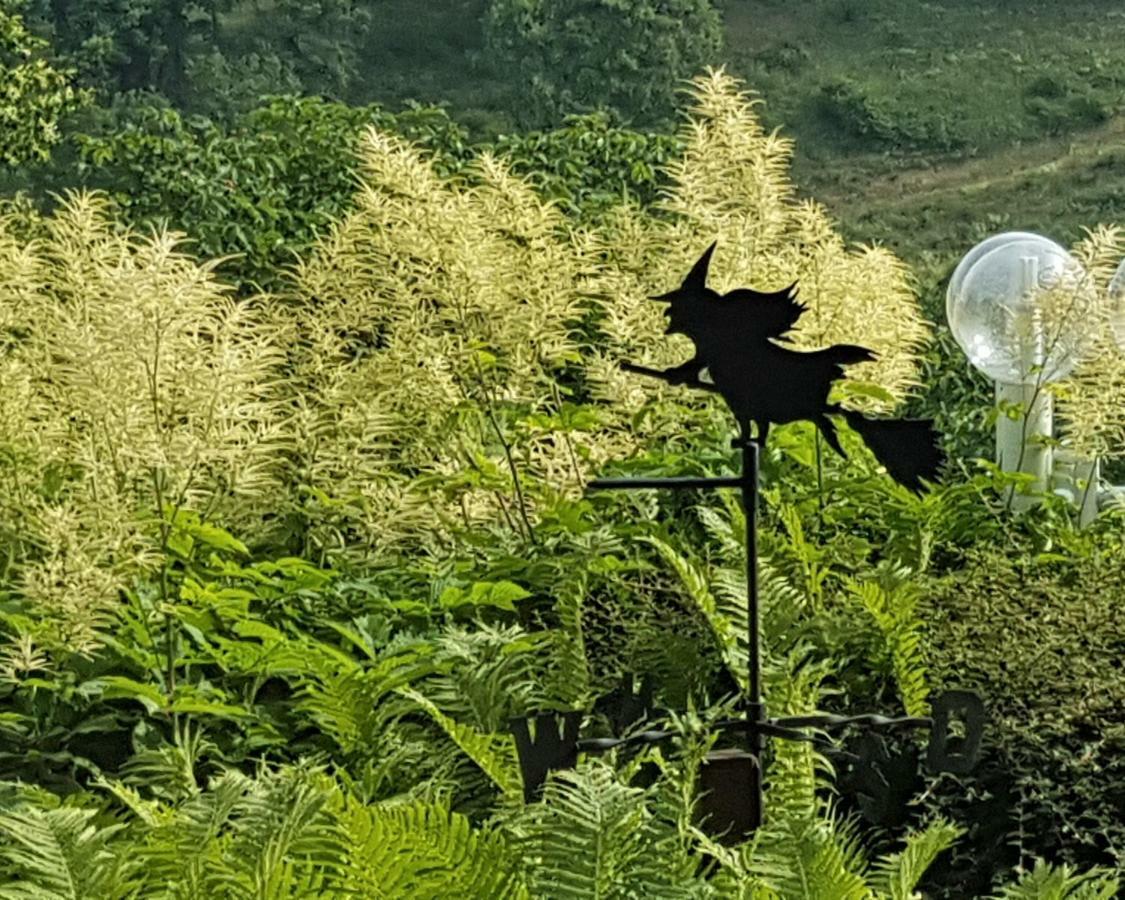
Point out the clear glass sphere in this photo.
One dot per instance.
(1021, 313)
(1117, 305)
(973, 256)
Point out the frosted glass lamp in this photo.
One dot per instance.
(970, 259)
(1020, 306)
(1022, 310)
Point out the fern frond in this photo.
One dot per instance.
(808, 859)
(892, 602)
(494, 754)
(63, 853)
(283, 835)
(594, 837)
(423, 851)
(731, 643)
(486, 675)
(570, 671)
(896, 876)
(348, 700)
(1047, 882)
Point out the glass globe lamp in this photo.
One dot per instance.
(1021, 312)
(971, 258)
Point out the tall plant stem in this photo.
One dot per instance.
(490, 412)
(819, 450)
(170, 628)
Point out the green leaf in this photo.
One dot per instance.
(121, 687)
(497, 594)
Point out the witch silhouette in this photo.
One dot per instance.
(740, 340)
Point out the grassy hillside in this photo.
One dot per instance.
(923, 125)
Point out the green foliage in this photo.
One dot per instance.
(258, 191)
(322, 40)
(595, 837)
(1037, 635)
(61, 852)
(1045, 882)
(589, 166)
(443, 379)
(892, 602)
(572, 57)
(200, 56)
(261, 190)
(34, 95)
(423, 850)
(851, 108)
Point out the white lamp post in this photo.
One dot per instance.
(1117, 305)
(1015, 306)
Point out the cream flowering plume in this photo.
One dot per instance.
(1091, 400)
(732, 185)
(446, 324)
(431, 323)
(447, 358)
(132, 381)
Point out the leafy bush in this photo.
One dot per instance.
(400, 441)
(573, 56)
(34, 95)
(262, 189)
(1039, 638)
(1059, 115)
(850, 107)
(542, 336)
(589, 166)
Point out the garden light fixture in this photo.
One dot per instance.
(1019, 306)
(1117, 305)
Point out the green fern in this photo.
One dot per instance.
(1046, 882)
(422, 851)
(348, 700)
(570, 672)
(181, 846)
(896, 876)
(719, 595)
(62, 854)
(494, 754)
(593, 837)
(486, 675)
(891, 601)
(284, 838)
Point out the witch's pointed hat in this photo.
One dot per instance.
(696, 280)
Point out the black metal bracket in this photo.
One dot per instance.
(556, 744)
(553, 746)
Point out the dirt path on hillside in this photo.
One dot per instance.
(1008, 166)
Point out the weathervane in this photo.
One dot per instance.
(739, 340)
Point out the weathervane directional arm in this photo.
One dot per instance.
(686, 374)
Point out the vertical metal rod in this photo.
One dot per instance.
(755, 710)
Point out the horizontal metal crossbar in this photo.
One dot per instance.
(786, 728)
(874, 720)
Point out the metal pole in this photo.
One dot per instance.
(755, 709)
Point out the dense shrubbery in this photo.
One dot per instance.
(33, 94)
(258, 191)
(1039, 635)
(263, 187)
(632, 57)
(852, 109)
